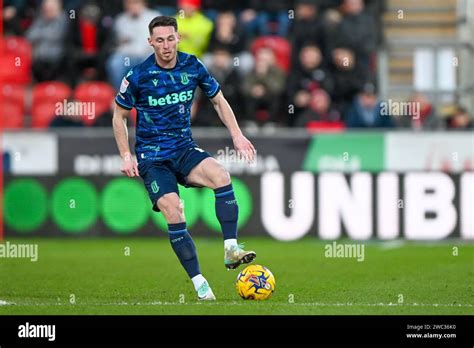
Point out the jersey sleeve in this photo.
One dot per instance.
(207, 82)
(127, 93)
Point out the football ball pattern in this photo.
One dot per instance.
(255, 282)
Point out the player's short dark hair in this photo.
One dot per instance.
(163, 21)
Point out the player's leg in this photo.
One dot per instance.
(162, 188)
(182, 243)
(212, 174)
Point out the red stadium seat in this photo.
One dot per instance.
(13, 93)
(12, 115)
(51, 91)
(325, 126)
(99, 93)
(280, 47)
(15, 60)
(42, 114)
(94, 91)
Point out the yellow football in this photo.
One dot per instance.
(255, 282)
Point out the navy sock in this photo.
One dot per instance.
(184, 248)
(227, 211)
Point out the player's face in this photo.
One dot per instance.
(164, 41)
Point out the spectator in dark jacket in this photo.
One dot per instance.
(260, 18)
(227, 35)
(349, 77)
(13, 12)
(263, 87)
(365, 111)
(222, 68)
(352, 27)
(88, 43)
(311, 75)
(306, 28)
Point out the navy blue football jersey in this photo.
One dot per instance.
(163, 99)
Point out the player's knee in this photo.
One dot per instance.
(171, 207)
(222, 178)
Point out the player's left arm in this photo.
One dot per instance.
(241, 143)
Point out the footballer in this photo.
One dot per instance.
(161, 89)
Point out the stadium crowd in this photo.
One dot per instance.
(301, 63)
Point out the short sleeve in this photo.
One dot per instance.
(207, 82)
(126, 95)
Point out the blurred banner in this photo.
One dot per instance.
(357, 185)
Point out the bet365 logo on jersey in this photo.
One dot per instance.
(172, 98)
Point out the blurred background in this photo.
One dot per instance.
(358, 109)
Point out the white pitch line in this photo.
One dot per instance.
(391, 245)
(302, 304)
(349, 304)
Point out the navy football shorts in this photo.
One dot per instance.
(162, 176)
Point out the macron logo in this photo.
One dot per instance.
(37, 331)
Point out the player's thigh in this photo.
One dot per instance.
(159, 181)
(209, 173)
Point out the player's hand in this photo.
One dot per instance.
(129, 166)
(245, 148)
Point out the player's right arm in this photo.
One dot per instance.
(124, 102)
(119, 122)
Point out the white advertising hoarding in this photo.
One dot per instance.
(444, 151)
(31, 153)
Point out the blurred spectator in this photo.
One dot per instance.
(261, 18)
(222, 68)
(376, 9)
(227, 35)
(365, 111)
(194, 28)
(165, 7)
(349, 77)
(110, 9)
(48, 38)
(130, 32)
(88, 43)
(13, 11)
(222, 6)
(319, 109)
(426, 119)
(329, 4)
(263, 87)
(351, 27)
(459, 119)
(310, 75)
(306, 29)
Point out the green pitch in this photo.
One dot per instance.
(96, 276)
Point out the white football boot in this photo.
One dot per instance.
(236, 255)
(205, 292)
